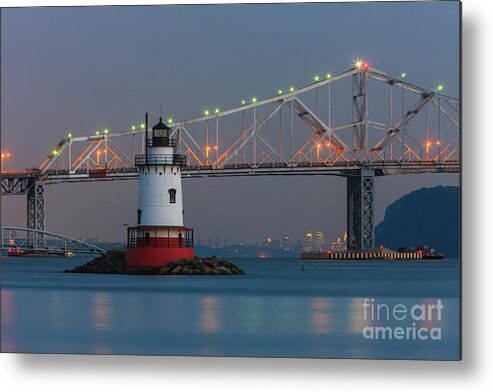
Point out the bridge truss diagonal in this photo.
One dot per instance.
(18, 238)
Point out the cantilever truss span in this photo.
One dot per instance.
(311, 126)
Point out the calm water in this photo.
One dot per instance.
(274, 310)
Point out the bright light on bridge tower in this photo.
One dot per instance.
(159, 236)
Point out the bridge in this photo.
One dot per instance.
(17, 240)
(412, 130)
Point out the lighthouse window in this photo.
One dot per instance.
(172, 195)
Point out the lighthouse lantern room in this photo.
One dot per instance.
(159, 236)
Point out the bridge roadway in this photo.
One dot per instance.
(12, 182)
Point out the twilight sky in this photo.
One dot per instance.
(82, 69)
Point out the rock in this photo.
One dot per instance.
(197, 266)
(113, 262)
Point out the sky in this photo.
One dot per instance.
(86, 68)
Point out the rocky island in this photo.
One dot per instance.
(113, 262)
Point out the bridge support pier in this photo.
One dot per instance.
(361, 210)
(36, 213)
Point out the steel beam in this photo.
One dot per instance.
(361, 210)
(14, 185)
(35, 213)
(360, 113)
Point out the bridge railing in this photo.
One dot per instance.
(24, 239)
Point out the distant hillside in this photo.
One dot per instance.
(426, 216)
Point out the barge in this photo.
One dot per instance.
(380, 254)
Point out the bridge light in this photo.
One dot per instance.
(206, 112)
(55, 152)
(3, 155)
(133, 127)
(97, 133)
(316, 78)
(216, 110)
(215, 147)
(365, 66)
(106, 131)
(207, 148)
(243, 102)
(170, 120)
(254, 99)
(142, 125)
(328, 76)
(279, 92)
(428, 144)
(438, 142)
(403, 75)
(291, 89)
(358, 63)
(440, 87)
(7, 154)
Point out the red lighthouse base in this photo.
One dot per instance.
(154, 247)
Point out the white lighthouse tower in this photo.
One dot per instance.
(159, 236)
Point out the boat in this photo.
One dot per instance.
(427, 252)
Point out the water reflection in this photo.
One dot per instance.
(210, 320)
(8, 319)
(57, 310)
(101, 312)
(356, 316)
(320, 316)
(275, 316)
(7, 308)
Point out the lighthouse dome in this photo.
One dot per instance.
(161, 135)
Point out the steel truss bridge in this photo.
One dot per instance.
(17, 239)
(327, 127)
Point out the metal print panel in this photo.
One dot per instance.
(270, 180)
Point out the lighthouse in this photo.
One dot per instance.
(159, 236)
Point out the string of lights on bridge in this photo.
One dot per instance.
(358, 64)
